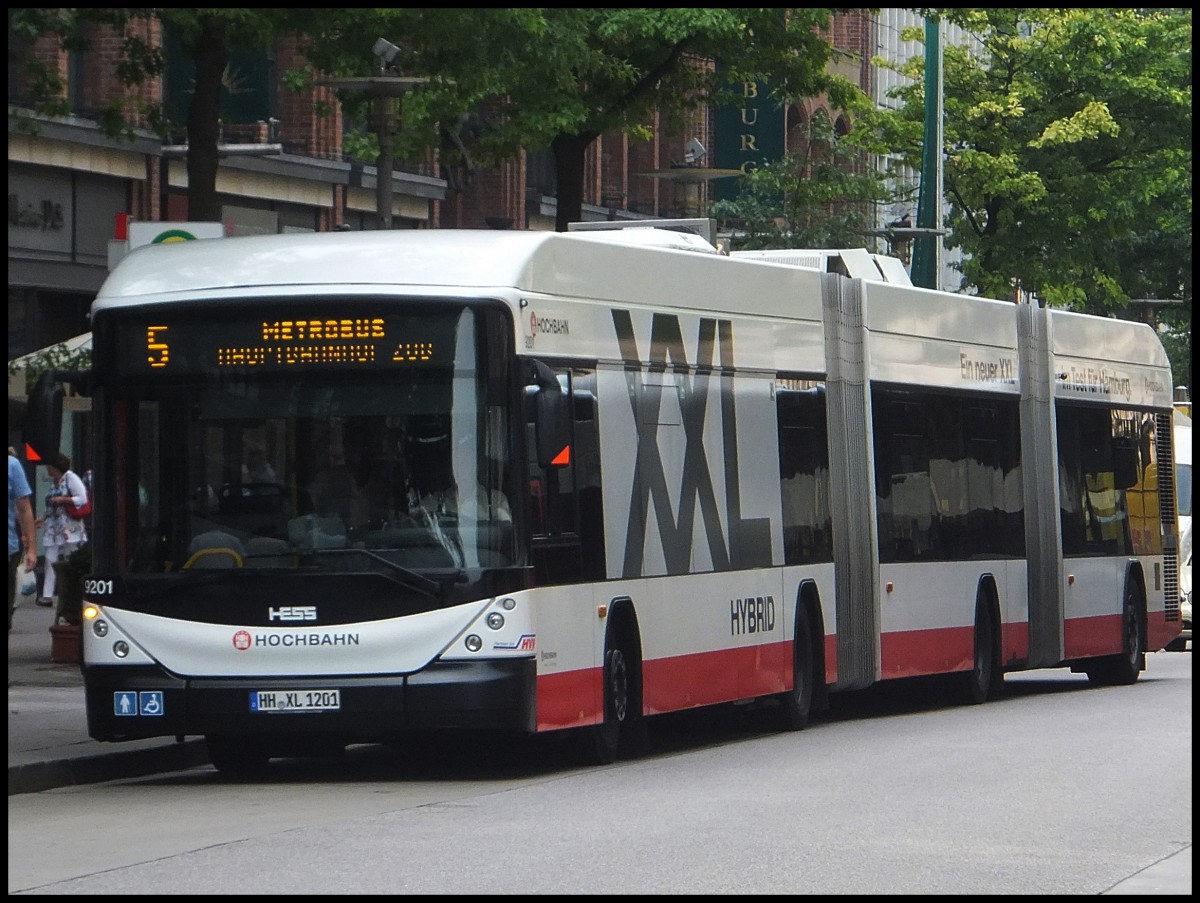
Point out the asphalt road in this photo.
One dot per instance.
(1058, 788)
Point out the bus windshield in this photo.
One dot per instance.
(395, 466)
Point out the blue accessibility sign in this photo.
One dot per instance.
(130, 703)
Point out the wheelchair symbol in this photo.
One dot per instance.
(150, 703)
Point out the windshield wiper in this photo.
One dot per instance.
(407, 577)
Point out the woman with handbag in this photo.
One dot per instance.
(64, 529)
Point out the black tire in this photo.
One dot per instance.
(795, 706)
(1122, 669)
(985, 676)
(236, 757)
(604, 739)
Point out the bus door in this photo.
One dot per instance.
(564, 501)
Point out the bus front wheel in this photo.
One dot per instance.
(606, 736)
(622, 732)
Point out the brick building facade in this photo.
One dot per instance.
(68, 182)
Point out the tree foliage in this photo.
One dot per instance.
(508, 79)
(206, 35)
(558, 78)
(820, 196)
(1067, 160)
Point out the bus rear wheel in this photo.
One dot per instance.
(985, 677)
(1123, 668)
(795, 705)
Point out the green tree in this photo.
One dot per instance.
(206, 35)
(820, 196)
(1067, 154)
(541, 78)
(558, 78)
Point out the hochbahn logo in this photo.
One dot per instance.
(243, 640)
(552, 325)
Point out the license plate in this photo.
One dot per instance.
(295, 700)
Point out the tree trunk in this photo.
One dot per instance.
(569, 151)
(211, 56)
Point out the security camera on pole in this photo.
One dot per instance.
(383, 87)
(387, 53)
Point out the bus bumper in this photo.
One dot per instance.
(135, 702)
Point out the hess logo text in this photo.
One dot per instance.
(292, 613)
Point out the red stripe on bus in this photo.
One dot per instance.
(1014, 645)
(913, 653)
(1160, 631)
(686, 681)
(1099, 635)
(568, 699)
(572, 698)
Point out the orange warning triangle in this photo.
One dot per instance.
(563, 458)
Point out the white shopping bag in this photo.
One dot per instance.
(26, 583)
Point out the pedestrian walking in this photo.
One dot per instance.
(62, 534)
(22, 540)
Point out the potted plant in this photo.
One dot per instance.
(66, 633)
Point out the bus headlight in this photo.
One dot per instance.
(120, 649)
(495, 620)
(100, 627)
(473, 642)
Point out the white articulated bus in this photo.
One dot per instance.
(350, 485)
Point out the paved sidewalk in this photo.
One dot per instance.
(48, 742)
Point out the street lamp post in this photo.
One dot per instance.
(381, 88)
(383, 176)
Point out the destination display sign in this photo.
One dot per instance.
(285, 340)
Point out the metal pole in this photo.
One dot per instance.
(383, 89)
(383, 179)
(926, 253)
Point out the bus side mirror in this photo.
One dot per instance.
(552, 419)
(42, 429)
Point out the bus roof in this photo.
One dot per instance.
(581, 265)
(413, 257)
(646, 268)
